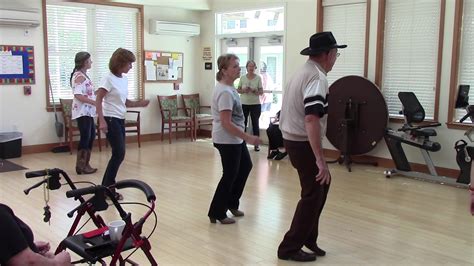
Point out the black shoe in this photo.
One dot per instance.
(300, 255)
(281, 155)
(317, 251)
(273, 154)
(256, 148)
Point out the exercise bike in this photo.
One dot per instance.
(95, 245)
(417, 135)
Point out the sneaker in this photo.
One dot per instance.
(256, 148)
(273, 154)
(281, 155)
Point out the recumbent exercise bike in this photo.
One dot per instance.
(95, 245)
(417, 136)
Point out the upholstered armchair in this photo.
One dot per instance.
(171, 118)
(200, 117)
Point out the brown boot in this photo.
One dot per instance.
(80, 162)
(87, 167)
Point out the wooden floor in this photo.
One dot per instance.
(368, 219)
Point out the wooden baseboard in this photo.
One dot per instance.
(389, 164)
(382, 162)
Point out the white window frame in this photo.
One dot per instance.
(411, 53)
(59, 80)
(465, 59)
(348, 20)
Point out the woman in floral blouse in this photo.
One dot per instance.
(83, 110)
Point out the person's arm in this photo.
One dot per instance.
(239, 87)
(259, 90)
(314, 135)
(28, 257)
(139, 103)
(78, 90)
(225, 116)
(101, 92)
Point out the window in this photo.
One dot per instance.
(463, 57)
(231, 24)
(347, 20)
(243, 23)
(97, 29)
(263, 20)
(412, 43)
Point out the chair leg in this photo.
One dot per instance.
(162, 131)
(169, 131)
(138, 137)
(69, 139)
(99, 138)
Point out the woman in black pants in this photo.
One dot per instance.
(230, 140)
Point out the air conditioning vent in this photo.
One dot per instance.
(19, 17)
(174, 28)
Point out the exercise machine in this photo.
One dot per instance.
(93, 246)
(414, 132)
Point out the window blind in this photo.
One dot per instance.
(347, 21)
(97, 29)
(66, 29)
(466, 54)
(410, 56)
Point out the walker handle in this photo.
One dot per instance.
(150, 195)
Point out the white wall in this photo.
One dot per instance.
(28, 114)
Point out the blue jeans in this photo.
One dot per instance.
(236, 164)
(116, 138)
(86, 127)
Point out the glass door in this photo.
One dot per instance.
(269, 57)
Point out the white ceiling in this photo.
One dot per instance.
(185, 4)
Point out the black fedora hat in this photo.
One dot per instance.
(321, 42)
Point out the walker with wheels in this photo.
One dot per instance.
(96, 245)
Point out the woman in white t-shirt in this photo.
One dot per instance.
(83, 111)
(250, 88)
(230, 140)
(111, 106)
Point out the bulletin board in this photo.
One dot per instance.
(163, 66)
(17, 65)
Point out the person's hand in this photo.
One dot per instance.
(103, 125)
(253, 140)
(248, 89)
(323, 176)
(43, 247)
(62, 258)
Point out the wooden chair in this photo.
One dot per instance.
(132, 125)
(70, 126)
(171, 118)
(200, 118)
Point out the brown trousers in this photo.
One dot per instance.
(304, 227)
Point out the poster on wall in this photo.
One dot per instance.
(163, 66)
(17, 65)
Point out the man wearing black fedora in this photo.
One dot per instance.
(303, 124)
